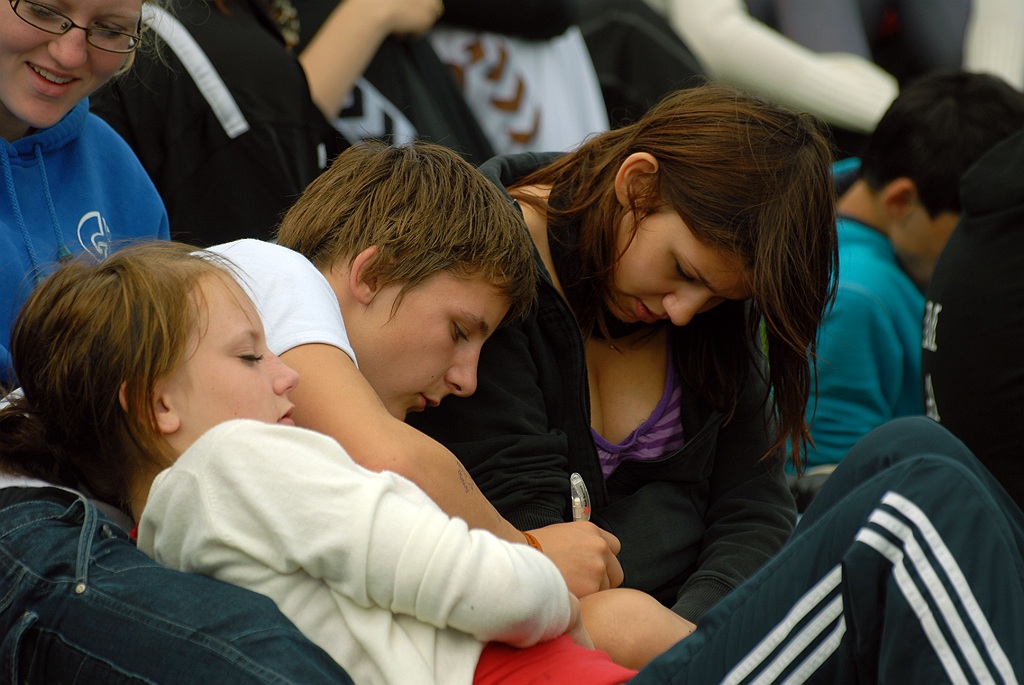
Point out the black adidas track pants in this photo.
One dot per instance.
(908, 567)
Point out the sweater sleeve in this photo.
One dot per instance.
(843, 89)
(292, 501)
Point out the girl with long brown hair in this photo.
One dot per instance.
(686, 262)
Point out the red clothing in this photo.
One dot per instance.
(558, 661)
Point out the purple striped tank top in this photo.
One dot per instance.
(660, 435)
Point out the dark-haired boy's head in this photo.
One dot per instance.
(932, 133)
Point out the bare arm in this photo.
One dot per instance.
(335, 399)
(632, 626)
(347, 41)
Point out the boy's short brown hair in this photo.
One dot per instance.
(426, 210)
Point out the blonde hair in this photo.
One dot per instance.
(89, 346)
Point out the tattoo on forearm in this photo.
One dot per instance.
(467, 482)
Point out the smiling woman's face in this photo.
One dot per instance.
(42, 75)
(228, 372)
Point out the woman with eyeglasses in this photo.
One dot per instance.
(70, 183)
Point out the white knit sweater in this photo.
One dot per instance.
(363, 563)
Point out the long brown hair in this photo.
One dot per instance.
(748, 177)
(90, 333)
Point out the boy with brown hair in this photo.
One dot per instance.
(389, 274)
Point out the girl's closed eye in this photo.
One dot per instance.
(682, 272)
(251, 358)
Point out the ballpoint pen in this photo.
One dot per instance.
(580, 498)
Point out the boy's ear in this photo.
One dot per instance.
(363, 287)
(899, 198)
(639, 167)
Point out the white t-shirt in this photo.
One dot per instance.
(364, 563)
(295, 301)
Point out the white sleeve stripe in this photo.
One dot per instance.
(198, 65)
(819, 656)
(931, 582)
(830, 616)
(810, 602)
(918, 604)
(911, 551)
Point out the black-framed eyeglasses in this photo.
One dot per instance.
(52, 21)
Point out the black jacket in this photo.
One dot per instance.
(406, 93)
(217, 187)
(972, 361)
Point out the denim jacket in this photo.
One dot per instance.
(79, 603)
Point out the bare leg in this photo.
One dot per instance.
(631, 626)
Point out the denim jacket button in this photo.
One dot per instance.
(106, 531)
(80, 588)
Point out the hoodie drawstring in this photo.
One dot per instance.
(63, 253)
(16, 206)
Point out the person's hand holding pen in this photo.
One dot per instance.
(584, 553)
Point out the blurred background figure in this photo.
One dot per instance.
(894, 221)
(844, 60)
(70, 185)
(221, 117)
(375, 75)
(524, 70)
(974, 323)
(638, 57)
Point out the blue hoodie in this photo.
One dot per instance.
(74, 187)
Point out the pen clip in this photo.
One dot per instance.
(580, 498)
